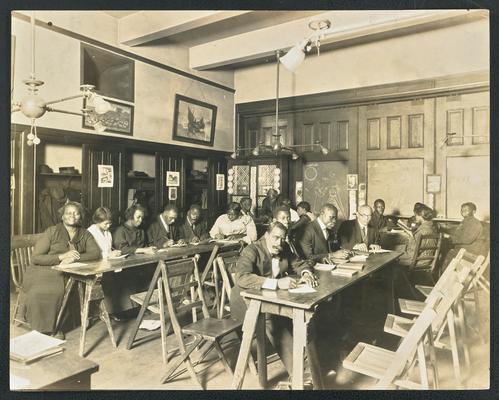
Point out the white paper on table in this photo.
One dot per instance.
(118, 257)
(33, 343)
(270, 284)
(150, 324)
(302, 289)
(17, 382)
(358, 258)
(73, 265)
(324, 267)
(380, 251)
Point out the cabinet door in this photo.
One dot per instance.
(95, 196)
(169, 194)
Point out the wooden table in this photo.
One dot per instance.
(89, 276)
(64, 371)
(300, 308)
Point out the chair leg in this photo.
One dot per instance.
(423, 370)
(222, 358)
(16, 307)
(463, 334)
(433, 360)
(184, 357)
(453, 345)
(87, 288)
(162, 320)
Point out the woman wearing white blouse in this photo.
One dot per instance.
(102, 219)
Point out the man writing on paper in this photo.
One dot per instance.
(265, 264)
(359, 234)
(164, 232)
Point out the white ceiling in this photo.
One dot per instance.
(233, 39)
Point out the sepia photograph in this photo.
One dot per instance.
(349, 250)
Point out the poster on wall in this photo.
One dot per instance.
(105, 176)
(299, 191)
(352, 203)
(172, 193)
(433, 183)
(172, 178)
(352, 181)
(220, 181)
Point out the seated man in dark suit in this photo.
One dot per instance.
(358, 234)
(297, 228)
(194, 228)
(269, 205)
(319, 239)
(163, 232)
(266, 264)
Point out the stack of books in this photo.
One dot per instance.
(33, 346)
(348, 269)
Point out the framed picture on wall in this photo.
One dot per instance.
(194, 121)
(172, 178)
(118, 120)
(433, 183)
(220, 181)
(172, 193)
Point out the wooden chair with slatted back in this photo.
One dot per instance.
(225, 263)
(183, 294)
(426, 258)
(21, 247)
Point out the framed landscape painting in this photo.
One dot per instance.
(194, 121)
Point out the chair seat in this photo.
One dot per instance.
(153, 302)
(413, 307)
(424, 290)
(369, 360)
(396, 325)
(212, 328)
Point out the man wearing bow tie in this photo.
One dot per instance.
(265, 264)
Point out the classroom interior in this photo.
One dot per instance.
(327, 107)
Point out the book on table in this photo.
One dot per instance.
(344, 272)
(357, 266)
(33, 346)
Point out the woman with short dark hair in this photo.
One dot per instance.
(130, 238)
(102, 220)
(64, 243)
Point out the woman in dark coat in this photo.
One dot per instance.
(43, 287)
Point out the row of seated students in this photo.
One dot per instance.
(310, 237)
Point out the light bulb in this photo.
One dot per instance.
(256, 151)
(33, 106)
(102, 106)
(324, 150)
(30, 143)
(295, 156)
(233, 156)
(36, 140)
(30, 136)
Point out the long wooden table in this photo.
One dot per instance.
(300, 308)
(89, 276)
(65, 371)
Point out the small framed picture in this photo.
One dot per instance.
(352, 181)
(172, 193)
(433, 183)
(118, 120)
(220, 181)
(105, 176)
(172, 178)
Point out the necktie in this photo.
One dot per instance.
(364, 234)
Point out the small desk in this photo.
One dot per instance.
(89, 277)
(300, 308)
(64, 371)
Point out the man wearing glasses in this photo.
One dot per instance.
(358, 234)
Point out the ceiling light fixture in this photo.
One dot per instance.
(34, 106)
(277, 147)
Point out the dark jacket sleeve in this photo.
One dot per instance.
(92, 250)
(345, 234)
(307, 245)
(247, 274)
(155, 235)
(42, 247)
(466, 232)
(120, 242)
(297, 264)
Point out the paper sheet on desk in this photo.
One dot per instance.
(118, 257)
(324, 267)
(73, 265)
(379, 251)
(302, 289)
(358, 258)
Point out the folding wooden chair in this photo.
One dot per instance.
(392, 368)
(426, 258)
(400, 326)
(183, 294)
(224, 264)
(21, 249)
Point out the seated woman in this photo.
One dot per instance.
(234, 225)
(129, 238)
(43, 287)
(102, 220)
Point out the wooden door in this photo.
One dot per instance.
(94, 196)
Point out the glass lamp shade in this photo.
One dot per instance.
(33, 106)
(293, 58)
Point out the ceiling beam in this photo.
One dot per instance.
(346, 29)
(146, 26)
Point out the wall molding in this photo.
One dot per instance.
(51, 27)
(472, 82)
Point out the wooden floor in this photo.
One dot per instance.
(141, 368)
